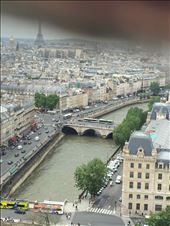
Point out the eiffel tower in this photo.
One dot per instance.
(39, 42)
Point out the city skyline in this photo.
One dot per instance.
(27, 29)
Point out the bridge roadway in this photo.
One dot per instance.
(82, 127)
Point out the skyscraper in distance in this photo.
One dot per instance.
(39, 42)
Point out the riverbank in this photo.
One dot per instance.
(16, 180)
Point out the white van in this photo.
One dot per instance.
(118, 179)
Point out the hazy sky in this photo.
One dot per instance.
(20, 28)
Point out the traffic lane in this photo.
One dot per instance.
(5, 167)
(94, 219)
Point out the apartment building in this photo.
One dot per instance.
(15, 119)
(146, 168)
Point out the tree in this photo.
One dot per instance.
(152, 101)
(40, 100)
(51, 101)
(160, 219)
(91, 177)
(154, 87)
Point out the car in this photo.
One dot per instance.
(111, 183)
(10, 162)
(1, 161)
(23, 151)
(47, 131)
(39, 133)
(3, 153)
(120, 199)
(37, 138)
(18, 211)
(25, 143)
(17, 154)
(19, 147)
(28, 138)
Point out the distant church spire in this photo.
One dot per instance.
(39, 42)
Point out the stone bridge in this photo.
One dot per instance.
(103, 130)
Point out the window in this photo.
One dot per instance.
(130, 184)
(160, 166)
(158, 197)
(130, 206)
(147, 176)
(139, 165)
(169, 187)
(146, 197)
(158, 207)
(147, 186)
(145, 206)
(159, 187)
(130, 196)
(139, 175)
(168, 198)
(139, 185)
(160, 176)
(137, 206)
(131, 165)
(138, 196)
(131, 174)
(147, 166)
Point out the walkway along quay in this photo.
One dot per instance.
(113, 107)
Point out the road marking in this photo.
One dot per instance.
(102, 211)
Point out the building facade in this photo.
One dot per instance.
(146, 167)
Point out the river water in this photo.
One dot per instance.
(54, 178)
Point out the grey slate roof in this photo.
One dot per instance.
(160, 108)
(139, 139)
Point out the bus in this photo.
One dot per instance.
(67, 116)
(90, 120)
(8, 204)
(110, 122)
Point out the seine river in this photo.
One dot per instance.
(54, 178)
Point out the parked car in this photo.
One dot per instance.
(18, 211)
(19, 147)
(23, 151)
(17, 154)
(10, 162)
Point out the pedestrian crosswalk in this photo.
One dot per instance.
(101, 211)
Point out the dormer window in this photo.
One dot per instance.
(160, 165)
(140, 152)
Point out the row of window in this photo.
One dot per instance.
(132, 165)
(157, 197)
(147, 175)
(145, 207)
(139, 186)
(147, 166)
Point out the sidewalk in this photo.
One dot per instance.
(70, 209)
(84, 205)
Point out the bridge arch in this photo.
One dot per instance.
(109, 136)
(69, 130)
(91, 132)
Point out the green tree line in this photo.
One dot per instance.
(46, 101)
(135, 118)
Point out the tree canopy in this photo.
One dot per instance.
(91, 176)
(135, 118)
(160, 219)
(152, 101)
(154, 87)
(43, 101)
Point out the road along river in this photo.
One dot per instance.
(54, 178)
